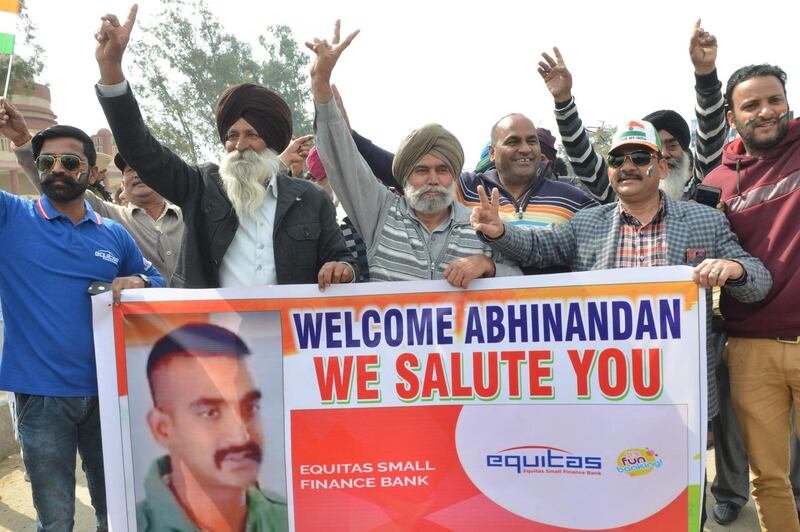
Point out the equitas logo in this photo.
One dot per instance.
(543, 459)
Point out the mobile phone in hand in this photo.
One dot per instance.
(99, 287)
(707, 195)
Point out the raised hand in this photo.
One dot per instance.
(486, 218)
(112, 40)
(297, 152)
(327, 54)
(556, 76)
(703, 50)
(12, 124)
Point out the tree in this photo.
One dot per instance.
(186, 59)
(601, 138)
(562, 153)
(25, 68)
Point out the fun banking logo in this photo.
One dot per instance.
(638, 461)
(544, 460)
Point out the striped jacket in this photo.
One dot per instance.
(399, 251)
(712, 130)
(546, 201)
(395, 239)
(589, 242)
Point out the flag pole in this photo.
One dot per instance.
(8, 75)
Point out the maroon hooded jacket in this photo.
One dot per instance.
(763, 205)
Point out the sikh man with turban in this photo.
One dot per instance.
(422, 235)
(240, 212)
(528, 197)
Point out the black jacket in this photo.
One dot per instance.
(306, 234)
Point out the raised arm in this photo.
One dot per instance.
(588, 165)
(359, 192)
(712, 128)
(378, 159)
(157, 166)
(15, 129)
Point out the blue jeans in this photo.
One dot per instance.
(51, 429)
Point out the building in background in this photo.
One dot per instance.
(35, 107)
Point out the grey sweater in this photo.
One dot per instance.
(399, 246)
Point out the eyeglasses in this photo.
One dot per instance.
(71, 163)
(639, 158)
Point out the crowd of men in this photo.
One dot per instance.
(264, 214)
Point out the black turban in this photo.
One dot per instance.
(120, 162)
(265, 110)
(672, 123)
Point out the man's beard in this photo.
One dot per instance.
(674, 183)
(245, 176)
(71, 190)
(426, 204)
(747, 132)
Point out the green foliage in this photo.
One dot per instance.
(186, 59)
(601, 138)
(561, 151)
(25, 68)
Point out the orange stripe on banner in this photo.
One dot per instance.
(145, 329)
(685, 289)
(119, 349)
(10, 6)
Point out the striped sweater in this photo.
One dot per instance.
(712, 130)
(398, 249)
(546, 202)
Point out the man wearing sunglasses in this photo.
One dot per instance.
(644, 228)
(155, 225)
(247, 222)
(51, 251)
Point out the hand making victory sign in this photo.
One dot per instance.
(327, 54)
(556, 76)
(486, 218)
(112, 40)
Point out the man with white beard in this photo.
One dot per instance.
(425, 234)
(238, 214)
(675, 138)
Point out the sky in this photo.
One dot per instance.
(459, 64)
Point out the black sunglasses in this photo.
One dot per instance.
(71, 163)
(639, 158)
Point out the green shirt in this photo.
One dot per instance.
(160, 511)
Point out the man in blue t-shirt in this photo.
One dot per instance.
(51, 250)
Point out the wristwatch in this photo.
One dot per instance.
(145, 279)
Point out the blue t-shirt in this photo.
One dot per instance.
(46, 267)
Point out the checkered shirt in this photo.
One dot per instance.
(642, 245)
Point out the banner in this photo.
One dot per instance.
(547, 403)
